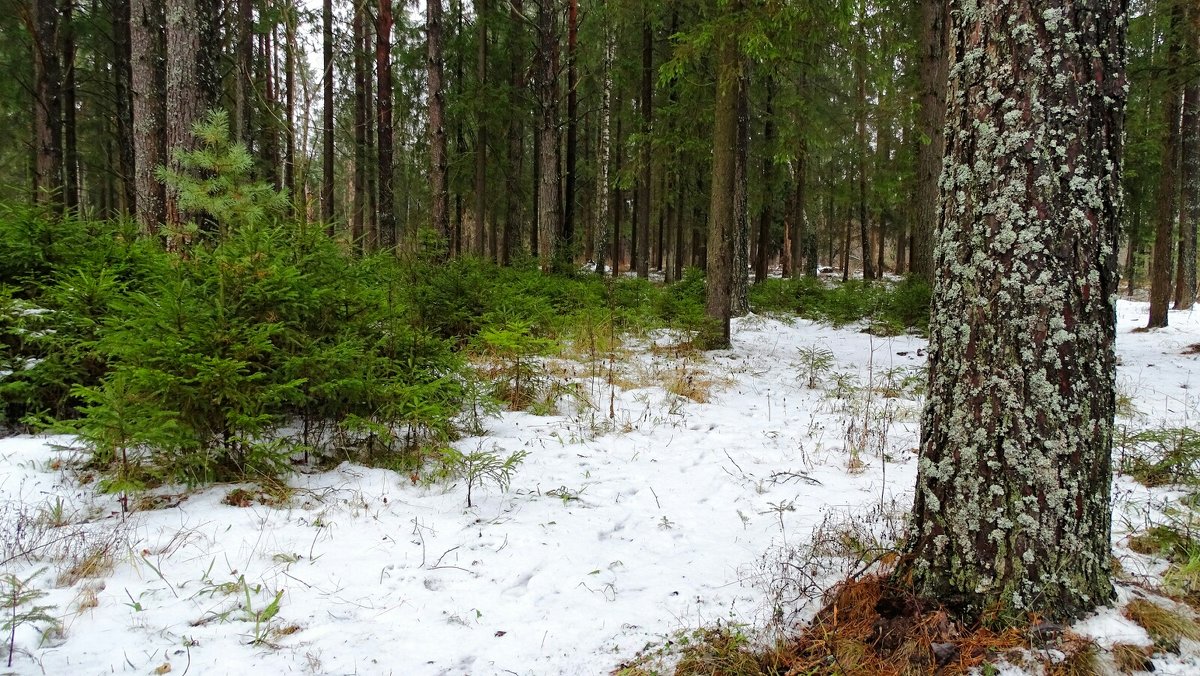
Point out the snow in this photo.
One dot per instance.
(616, 532)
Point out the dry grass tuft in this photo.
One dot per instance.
(1082, 659)
(92, 562)
(1131, 658)
(1166, 626)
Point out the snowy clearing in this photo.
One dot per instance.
(616, 531)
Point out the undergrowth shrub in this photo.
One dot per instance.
(889, 308)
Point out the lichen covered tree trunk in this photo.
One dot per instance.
(722, 220)
(439, 208)
(1012, 512)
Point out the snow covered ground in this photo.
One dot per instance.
(617, 531)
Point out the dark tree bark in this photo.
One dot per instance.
(243, 98)
(618, 202)
(71, 181)
(1012, 513)
(930, 115)
(1189, 168)
(289, 95)
(860, 123)
(47, 106)
(183, 95)
(722, 209)
(766, 215)
(516, 136)
(481, 132)
(1164, 229)
(358, 238)
(439, 208)
(147, 28)
(642, 256)
(739, 300)
(568, 224)
(383, 92)
(327, 148)
(123, 106)
(457, 232)
(549, 212)
(208, 58)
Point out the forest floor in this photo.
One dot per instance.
(670, 492)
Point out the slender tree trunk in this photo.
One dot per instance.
(569, 179)
(932, 74)
(603, 152)
(149, 134)
(618, 207)
(327, 148)
(439, 210)
(739, 301)
(183, 98)
(762, 261)
(70, 135)
(1160, 266)
(548, 196)
(1012, 512)
(457, 232)
(646, 100)
(722, 209)
(481, 131)
(244, 73)
(860, 117)
(383, 92)
(358, 240)
(1189, 171)
(289, 93)
(47, 106)
(123, 106)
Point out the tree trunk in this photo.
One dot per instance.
(183, 97)
(244, 73)
(1160, 265)
(548, 197)
(646, 100)
(603, 152)
(70, 135)
(289, 94)
(383, 93)
(763, 259)
(860, 117)
(930, 116)
(123, 106)
(722, 210)
(149, 79)
(1189, 171)
(618, 208)
(739, 301)
(439, 208)
(1012, 513)
(481, 132)
(47, 121)
(569, 178)
(358, 240)
(516, 134)
(327, 148)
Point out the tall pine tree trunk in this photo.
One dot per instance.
(603, 152)
(327, 148)
(183, 97)
(149, 134)
(358, 239)
(739, 299)
(569, 178)
(439, 209)
(932, 75)
(1164, 228)
(47, 106)
(765, 216)
(549, 212)
(860, 134)
(481, 133)
(1012, 512)
(383, 93)
(1189, 169)
(722, 220)
(642, 257)
(123, 106)
(70, 134)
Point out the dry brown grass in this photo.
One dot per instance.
(1131, 658)
(1165, 625)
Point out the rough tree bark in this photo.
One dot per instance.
(739, 299)
(646, 101)
(149, 137)
(327, 117)
(930, 116)
(123, 105)
(1164, 228)
(721, 216)
(1189, 168)
(183, 94)
(358, 238)
(766, 215)
(602, 188)
(482, 246)
(1012, 512)
(439, 207)
(569, 178)
(383, 95)
(549, 201)
(47, 106)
